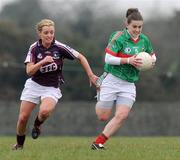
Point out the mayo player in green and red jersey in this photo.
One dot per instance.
(117, 87)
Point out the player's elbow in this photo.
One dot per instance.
(81, 58)
(29, 72)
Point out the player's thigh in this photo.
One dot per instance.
(47, 104)
(123, 106)
(26, 108)
(122, 111)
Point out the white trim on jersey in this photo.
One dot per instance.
(29, 57)
(70, 50)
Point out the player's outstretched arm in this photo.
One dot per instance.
(92, 77)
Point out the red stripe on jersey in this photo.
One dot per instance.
(135, 41)
(119, 54)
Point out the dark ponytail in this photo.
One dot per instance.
(133, 14)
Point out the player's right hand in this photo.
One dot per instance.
(48, 59)
(135, 61)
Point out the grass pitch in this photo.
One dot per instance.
(78, 148)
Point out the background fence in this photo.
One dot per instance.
(79, 119)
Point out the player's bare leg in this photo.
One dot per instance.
(24, 114)
(46, 108)
(112, 126)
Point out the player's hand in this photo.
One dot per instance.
(48, 59)
(92, 80)
(136, 62)
(153, 61)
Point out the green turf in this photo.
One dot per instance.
(78, 148)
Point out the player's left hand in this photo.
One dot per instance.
(92, 80)
(153, 60)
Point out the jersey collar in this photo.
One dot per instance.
(39, 43)
(128, 36)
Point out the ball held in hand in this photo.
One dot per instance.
(147, 61)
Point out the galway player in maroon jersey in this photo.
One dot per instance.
(44, 63)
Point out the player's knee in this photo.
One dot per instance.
(103, 117)
(44, 113)
(23, 118)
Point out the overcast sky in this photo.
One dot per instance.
(147, 7)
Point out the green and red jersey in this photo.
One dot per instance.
(122, 45)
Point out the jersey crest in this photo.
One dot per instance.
(56, 55)
(39, 56)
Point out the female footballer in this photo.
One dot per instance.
(44, 64)
(118, 86)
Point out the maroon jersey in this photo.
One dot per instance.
(50, 74)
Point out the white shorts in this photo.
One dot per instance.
(33, 92)
(113, 87)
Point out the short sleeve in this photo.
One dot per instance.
(30, 56)
(114, 44)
